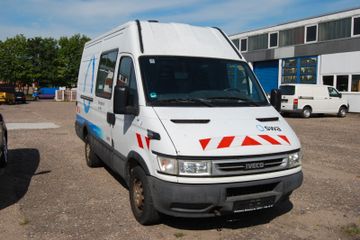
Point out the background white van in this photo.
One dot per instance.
(307, 99)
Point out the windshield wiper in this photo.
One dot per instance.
(236, 99)
(202, 101)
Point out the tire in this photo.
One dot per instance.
(342, 112)
(140, 198)
(4, 154)
(92, 160)
(306, 112)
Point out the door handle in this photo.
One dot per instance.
(110, 118)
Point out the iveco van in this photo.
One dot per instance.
(307, 99)
(176, 111)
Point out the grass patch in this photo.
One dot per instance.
(352, 229)
(24, 221)
(179, 235)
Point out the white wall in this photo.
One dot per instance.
(354, 101)
(340, 63)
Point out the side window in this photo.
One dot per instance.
(333, 92)
(126, 77)
(105, 76)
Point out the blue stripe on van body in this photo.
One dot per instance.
(94, 129)
(92, 64)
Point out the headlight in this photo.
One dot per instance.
(294, 159)
(184, 167)
(194, 168)
(168, 165)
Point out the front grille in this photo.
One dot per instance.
(248, 166)
(245, 166)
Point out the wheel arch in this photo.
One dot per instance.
(134, 159)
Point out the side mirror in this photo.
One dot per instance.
(275, 99)
(121, 101)
(340, 95)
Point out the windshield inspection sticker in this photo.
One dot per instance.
(153, 95)
(152, 61)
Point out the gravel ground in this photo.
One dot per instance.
(47, 192)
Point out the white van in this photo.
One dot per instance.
(177, 112)
(306, 99)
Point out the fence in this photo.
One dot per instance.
(65, 95)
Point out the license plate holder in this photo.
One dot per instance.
(253, 204)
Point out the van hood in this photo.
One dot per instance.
(240, 131)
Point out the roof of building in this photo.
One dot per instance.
(308, 20)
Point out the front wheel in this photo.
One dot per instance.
(4, 154)
(342, 112)
(140, 198)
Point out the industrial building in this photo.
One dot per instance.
(318, 50)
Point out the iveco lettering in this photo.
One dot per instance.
(177, 112)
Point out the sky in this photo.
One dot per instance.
(56, 18)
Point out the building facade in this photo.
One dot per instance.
(318, 50)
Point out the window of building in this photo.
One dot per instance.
(236, 43)
(299, 70)
(311, 33)
(273, 40)
(356, 26)
(355, 83)
(328, 80)
(105, 75)
(335, 29)
(258, 42)
(292, 36)
(243, 45)
(342, 83)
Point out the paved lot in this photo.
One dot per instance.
(47, 192)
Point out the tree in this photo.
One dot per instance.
(47, 61)
(69, 57)
(42, 54)
(13, 60)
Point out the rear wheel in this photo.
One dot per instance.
(140, 198)
(306, 112)
(342, 112)
(92, 160)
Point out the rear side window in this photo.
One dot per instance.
(287, 90)
(105, 76)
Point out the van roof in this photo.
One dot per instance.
(177, 39)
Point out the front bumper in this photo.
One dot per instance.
(206, 200)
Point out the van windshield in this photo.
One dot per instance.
(196, 81)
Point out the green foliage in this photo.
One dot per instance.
(47, 61)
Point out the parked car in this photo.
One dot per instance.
(307, 99)
(3, 143)
(45, 93)
(7, 94)
(20, 97)
(184, 122)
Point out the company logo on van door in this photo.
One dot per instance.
(243, 141)
(92, 64)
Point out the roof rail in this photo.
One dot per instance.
(140, 36)
(227, 39)
(154, 21)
